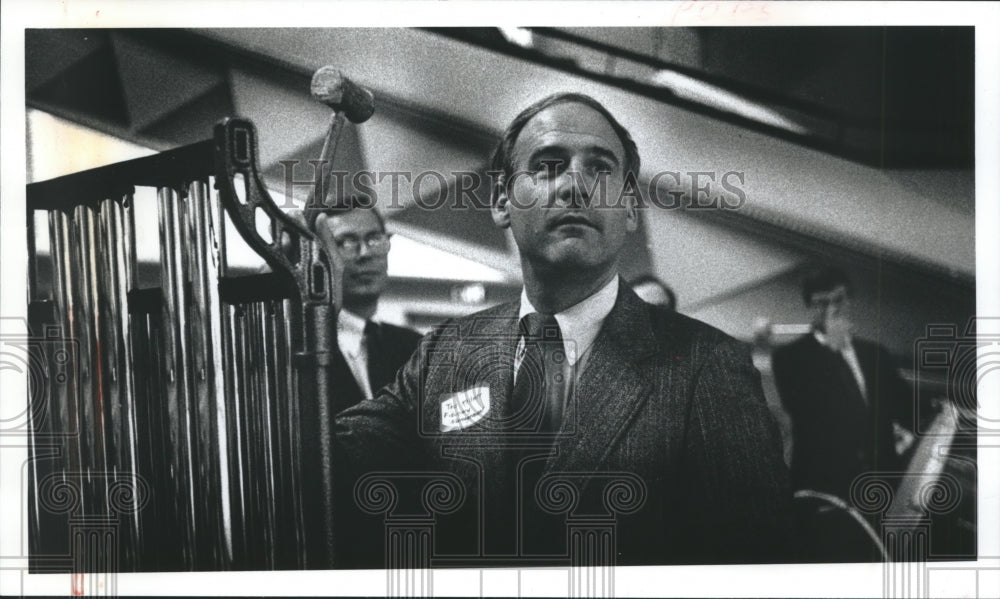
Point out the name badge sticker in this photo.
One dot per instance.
(465, 408)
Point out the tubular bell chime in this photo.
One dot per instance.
(191, 419)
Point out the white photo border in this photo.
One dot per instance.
(845, 580)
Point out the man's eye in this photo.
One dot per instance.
(546, 166)
(601, 168)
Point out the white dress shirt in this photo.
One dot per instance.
(579, 325)
(850, 356)
(351, 339)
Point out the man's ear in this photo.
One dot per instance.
(631, 214)
(500, 210)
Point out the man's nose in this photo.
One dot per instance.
(575, 186)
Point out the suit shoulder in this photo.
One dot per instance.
(484, 318)
(678, 327)
(701, 343)
(483, 322)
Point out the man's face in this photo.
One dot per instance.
(830, 309)
(365, 269)
(555, 204)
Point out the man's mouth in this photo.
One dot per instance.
(365, 275)
(572, 219)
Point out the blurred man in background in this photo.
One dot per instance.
(371, 352)
(847, 403)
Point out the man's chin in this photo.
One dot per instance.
(573, 258)
(362, 294)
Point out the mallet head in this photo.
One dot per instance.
(330, 87)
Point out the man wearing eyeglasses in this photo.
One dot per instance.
(371, 351)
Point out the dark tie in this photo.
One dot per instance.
(371, 338)
(539, 385)
(846, 373)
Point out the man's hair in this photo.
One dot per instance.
(824, 278)
(503, 160)
(343, 206)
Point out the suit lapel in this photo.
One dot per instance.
(484, 356)
(348, 392)
(849, 399)
(611, 389)
(868, 361)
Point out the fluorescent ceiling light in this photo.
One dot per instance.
(409, 258)
(689, 88)
(518, 35)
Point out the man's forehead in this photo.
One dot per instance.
(356, 220)
(569, 123)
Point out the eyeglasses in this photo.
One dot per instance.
(377, 243)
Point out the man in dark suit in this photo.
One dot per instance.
(846, 401)
(370, 351)
(580, 405)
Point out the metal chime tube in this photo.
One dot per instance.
(87, 314)
(117, 258)
(265, 402)
(264, 438)
(178, 367)
(235, 434)
(159, 540)
(253, 434)
(249, 426)
(205, 445)
(65, 398)
(285, 414)
(232, 412)
(124, 232)
(209, 378)
(287, 330)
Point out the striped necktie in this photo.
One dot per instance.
(538, 396)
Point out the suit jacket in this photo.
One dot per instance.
(387, 351)
(668, 439)
(837, 434)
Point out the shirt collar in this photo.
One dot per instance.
(348, 322)
(581, 322)
(351, 333)
(823, 340)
